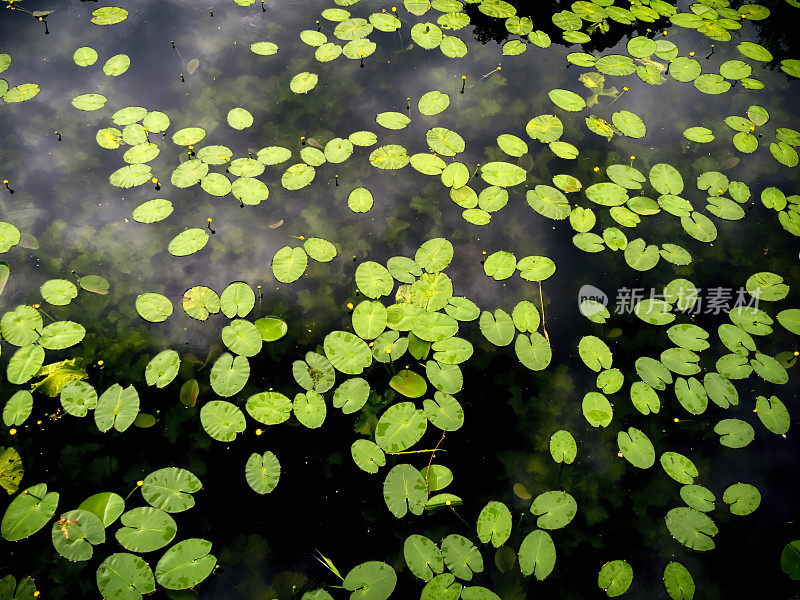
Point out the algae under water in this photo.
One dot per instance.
(439, 299)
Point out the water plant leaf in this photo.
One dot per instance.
(170, 489)
(153, 307)
(117, 407)
(701, 135)
(262, 472)
(28, 512)
(289, 264)
(130, 176)
(494, 524)
(239, 118)
(444, 412)
(162, 368)
(229, 374)
(109, 15)
(61, 334)
(24, 364)
(20, 93)
(85, 56)
(269, 408)
(742, 498)
(389, 157)
(461, 556)
(304, 82)
(595, 353)
(433, 102)
(497, 328)
(637, 448)
(392, 120)
(124, 576)
(117, 65)
(153, 211)
(107, 506)
(597, 409)
(616, 576)
(629, 124)
(408, 383)
(503, 174)
(404, 490)
(351, 395)
(185, 564)
(680, 468)
(500, 265)
(678, 581)
(423, 557)
(347, 353)
(537, 554)
(772, 413)
(145, 529)
(734, 433)
(372, 580)
(78, 398)
(264, 48)
(188, 242)
(569, 101)
(555, 509)
(691, 528)
(640, 256)
(17, 408)
(310, 409)
(400, 427)
(367, 455)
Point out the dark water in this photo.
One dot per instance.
(265, 544)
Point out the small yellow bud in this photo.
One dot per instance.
(449, 502)
(463, 77)
(36, 305)
(38, 422)
(209, 219)
(499, 67)
(394, 9)
(5, 180)
(350, 306)
(625, 89)
(596, 169)
(691, 53)
(259, 431)
(633, 157)
(389, 350)
(36, 594)
(676, 419)
(12, 431)
(301, 238)
(796, 353)
(371, 344)
(154, 180)
(100, 363)
(140, 483)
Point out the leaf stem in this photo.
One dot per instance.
(437, 449)
(544, 325)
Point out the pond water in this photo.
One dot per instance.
(620, 451)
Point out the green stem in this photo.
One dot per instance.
(418, 451)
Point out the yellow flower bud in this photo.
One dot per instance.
(140, 483)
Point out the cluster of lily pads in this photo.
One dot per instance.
(405, 341)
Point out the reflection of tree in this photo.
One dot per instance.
(541, 13)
